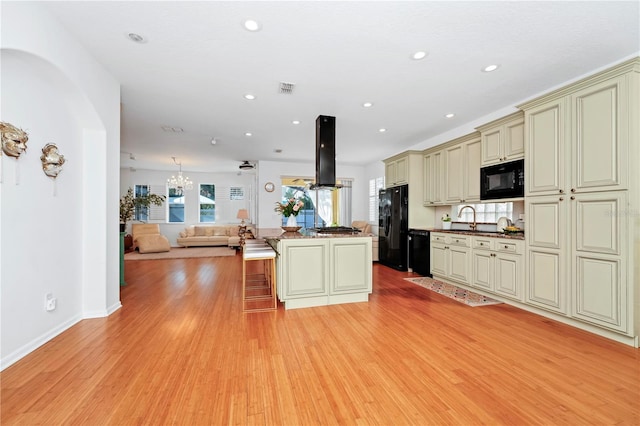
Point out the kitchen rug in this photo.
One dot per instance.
(456, 293)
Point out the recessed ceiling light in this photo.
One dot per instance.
(277, 151)
(247, 134)
(367, 104)
(252, 25)
(214, 141)
(172, 129)
(382, 130)
(450, 115)
(419, 55)
(490, 68)
(296, 121)
(136, 38)
(249, 97)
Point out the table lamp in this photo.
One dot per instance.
(243, 214)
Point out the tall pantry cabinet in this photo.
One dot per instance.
(582, 199)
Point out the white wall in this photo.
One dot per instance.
(57, 238)
(226, 211)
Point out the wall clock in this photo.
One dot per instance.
(269, 187)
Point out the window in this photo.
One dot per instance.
(176, 206)
(485, 213)
(141, 212)
(375, 185)
(208, 202)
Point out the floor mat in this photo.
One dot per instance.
(456, 293)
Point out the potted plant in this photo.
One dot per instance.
(446, 221)
(128, 204)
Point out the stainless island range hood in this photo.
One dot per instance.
(325, 153)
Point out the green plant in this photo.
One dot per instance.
(128, 204)
(446, 218)
(289, 207)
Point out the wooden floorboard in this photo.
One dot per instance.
(180, 351)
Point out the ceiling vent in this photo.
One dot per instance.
(246, 166)
(286, 88)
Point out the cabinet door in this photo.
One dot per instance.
(432, 169)
(390, 174)
(508, 275)
(598, 259)
(483, 269)
(546, 239)
(545, 143)
(306, 272)
(514, 140)
(459, 262)
(454, 173)
(351, 266)
(599, 148)
(438, 259)
(492, 146)
(546, 280)
(472, 154)
(402, 171)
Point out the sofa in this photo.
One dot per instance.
(148, 239)
(365, 231)
(209, 235)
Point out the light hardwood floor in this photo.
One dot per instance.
(180, 351)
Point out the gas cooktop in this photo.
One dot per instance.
(335, 230)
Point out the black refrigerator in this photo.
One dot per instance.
(393, 227)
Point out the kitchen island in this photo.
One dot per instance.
(316, 269)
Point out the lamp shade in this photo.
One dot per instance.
(243, 214)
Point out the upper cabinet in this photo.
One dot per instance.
(577, 141)
(503, 139)
(396, 172)
(407, 169)
(452, 172)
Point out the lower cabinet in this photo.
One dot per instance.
(498, 266)
(450, 256)
(324, 271)
(494, 265)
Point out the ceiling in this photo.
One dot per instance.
(197, 62)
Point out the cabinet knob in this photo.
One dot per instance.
(573, 198)
(562, 191)
(506, 247)
(457, 241)
(561, 198)
(573, 190)
(481, 244)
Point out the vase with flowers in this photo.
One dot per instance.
(290, 209)
(446, 221)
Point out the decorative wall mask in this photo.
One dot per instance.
(14, 140)
(52, 160)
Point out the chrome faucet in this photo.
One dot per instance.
(473, 225)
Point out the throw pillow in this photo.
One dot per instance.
(210, 231)
(191, 232)
(220, 232)
(201, 231)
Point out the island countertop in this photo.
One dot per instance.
(307, 234)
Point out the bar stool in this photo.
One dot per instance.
(267, 279)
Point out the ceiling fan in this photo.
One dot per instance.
(246, 166)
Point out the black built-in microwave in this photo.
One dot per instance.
(505, 180)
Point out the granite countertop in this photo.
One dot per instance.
(307, 234)
(516, 236)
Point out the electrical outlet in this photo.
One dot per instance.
(50, 302)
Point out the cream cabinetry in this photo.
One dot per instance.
(433, 177)
(450, 257)
(462, 171)
(579, 142)
(503, 139)
(498, 266)
(396, 172)
(579, 239)
(323, 271)
(407, 169)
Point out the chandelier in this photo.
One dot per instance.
(180, 183)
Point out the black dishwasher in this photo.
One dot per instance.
(419, 252)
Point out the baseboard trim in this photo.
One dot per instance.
(31, 346)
